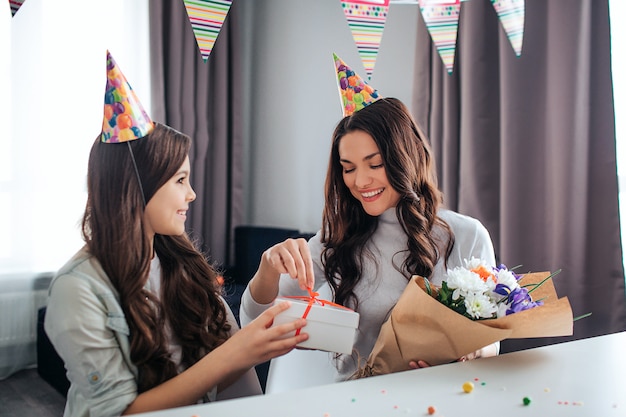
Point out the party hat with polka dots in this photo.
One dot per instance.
(354, 92)
(124, 117)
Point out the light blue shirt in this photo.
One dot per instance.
(86, 325)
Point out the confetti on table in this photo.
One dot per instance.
(468, 387)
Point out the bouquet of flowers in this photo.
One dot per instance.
(478, 291)
(475, 306)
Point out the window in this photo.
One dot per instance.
(52, 89)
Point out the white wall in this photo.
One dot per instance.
(294, 103)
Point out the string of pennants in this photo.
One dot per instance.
(366, 19)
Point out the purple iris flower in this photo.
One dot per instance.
(520, 300)
(502, 290)
(517, 299)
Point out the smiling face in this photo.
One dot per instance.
(364, 173)
(166, 211)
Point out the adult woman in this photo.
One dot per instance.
(382, 223)
(136, 314)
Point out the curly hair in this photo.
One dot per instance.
(113, 230)
(410, 169)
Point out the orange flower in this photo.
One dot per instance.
(484, 273)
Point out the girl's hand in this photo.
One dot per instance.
(292, 257)
(259, 342)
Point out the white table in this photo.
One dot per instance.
(580, 378)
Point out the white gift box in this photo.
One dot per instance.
(330, 328)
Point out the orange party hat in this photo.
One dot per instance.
(124, 117)
(354, 92)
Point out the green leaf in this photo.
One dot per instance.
(582, 316)
(535, 286)
(429, 290)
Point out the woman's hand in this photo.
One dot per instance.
(487, 351)
(418, 364)
(470, 356)
(259, 342)
(292, 257)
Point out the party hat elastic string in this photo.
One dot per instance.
(132, 158)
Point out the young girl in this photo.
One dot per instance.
(136, 314)
(382, 223)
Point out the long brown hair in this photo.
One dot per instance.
(113, 230)
(410, 168)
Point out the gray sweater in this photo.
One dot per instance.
(381, 284)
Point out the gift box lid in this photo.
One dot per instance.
(322, 313)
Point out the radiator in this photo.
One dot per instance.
(20, 299)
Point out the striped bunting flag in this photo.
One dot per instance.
(511, 14)
(366, 20)
(15, 5)
(207, 17)
(442, 21)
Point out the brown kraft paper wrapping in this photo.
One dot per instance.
(421, 328)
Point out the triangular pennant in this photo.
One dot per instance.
(15, 5)
(367, 22)
(442, 21)
(511, 14)
(206, 18)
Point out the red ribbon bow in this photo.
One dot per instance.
(312, 299)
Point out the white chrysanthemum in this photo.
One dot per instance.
(490, 284)
(473, 263)
(479, 306)
(507, 278)
(463, 282)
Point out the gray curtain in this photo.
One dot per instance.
(202, 99)
(527, 145)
